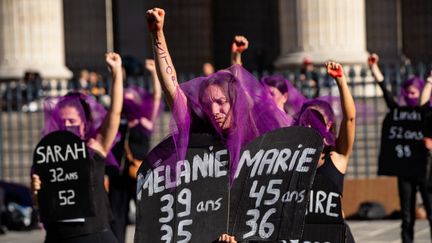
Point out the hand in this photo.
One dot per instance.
(114, 61)
(240, 44)
(334, 69)
(155, 19)
(429, 78)
(373, 59)
(428, 143)
(35, 184)
(150, 65)
(227, 238)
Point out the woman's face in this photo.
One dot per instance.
(412, 92)
(278, 97)
(218, 106)
(323, 119)
(71, 118)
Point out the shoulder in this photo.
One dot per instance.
(340, 161)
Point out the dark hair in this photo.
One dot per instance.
(276, 81)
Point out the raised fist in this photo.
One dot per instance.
(155, 19)
(334, 69)
(240, 44)
(373, 59)
(150, 65)
(114, 61)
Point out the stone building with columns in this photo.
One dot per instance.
(55, 36)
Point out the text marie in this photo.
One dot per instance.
(272, 161)
(57, 153)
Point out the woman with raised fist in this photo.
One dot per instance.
(324, 219)
(79, 114)
(407, 185)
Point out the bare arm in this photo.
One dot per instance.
(427, 90)
(239, 45)
(345, 139)
(164, 65)
(157, 90)
(110, 126)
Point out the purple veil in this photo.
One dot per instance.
(316, 113)
(404, 99)
(91, 113)
(253, 111)
(138, 103)
(295, 98)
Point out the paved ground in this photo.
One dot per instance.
(364, 232)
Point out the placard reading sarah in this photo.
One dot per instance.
(61, 160)
(402, 149)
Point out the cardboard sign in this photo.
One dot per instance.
(190, 208)
(267, 199)
(62, 162)
(402, 149)
(279, 168)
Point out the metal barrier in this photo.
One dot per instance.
(21, 114)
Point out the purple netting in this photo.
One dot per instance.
(253, 112)
(137, 103)
(405, 99)
(91, 113)
(295, 98)
(317, 113)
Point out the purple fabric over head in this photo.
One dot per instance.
(316, 113)
(253, 111)
(91, 113)
(404, 99)
(138, 103)
(295, 97)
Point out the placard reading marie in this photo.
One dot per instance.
(62, 162)
(267, 199)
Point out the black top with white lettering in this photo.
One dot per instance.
(324, 221)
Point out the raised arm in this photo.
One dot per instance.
(157, 90)
(379, 78)
(239, 45)
(427, 90)
(164, 65)
(110, 126)
(345, 139)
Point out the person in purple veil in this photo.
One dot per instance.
(333, 164)
(230, 103)
(287, 97)
(140, 110)
(75, 112)
(407, 187)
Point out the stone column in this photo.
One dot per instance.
(31, 37)
(322, 30)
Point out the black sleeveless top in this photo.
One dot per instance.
(324, 221)
(101, 220)
(325, 196)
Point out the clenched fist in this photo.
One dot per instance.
(155, 19)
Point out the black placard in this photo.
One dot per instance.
(196, 209)
(275, 193)
(61, 160)
(215, 206)
(402, 149)
(333, 233)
